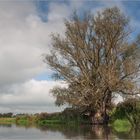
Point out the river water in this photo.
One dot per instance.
(60, 132)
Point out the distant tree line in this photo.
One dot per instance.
(6, 115)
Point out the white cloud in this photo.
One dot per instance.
(19, 42)
(58, 12)
(106, 4)
(31, 96)
(77, 4)
(24, 37)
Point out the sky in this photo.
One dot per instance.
(25, 28)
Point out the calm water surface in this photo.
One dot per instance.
(60, 132)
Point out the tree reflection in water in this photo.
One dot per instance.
(84, 132)
(87, 132)
(6, 125)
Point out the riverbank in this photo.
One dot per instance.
(63, 132)
(118, 125)
(121, 125)
(7, 120)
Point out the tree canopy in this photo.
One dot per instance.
(96, 59)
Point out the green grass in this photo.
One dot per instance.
(121, 125)
(66, 122)
(118, 125)
(29, 120)
(7, 120)
(45, 122)
(22, 122)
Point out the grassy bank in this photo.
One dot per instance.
(46, 122)
(42, 120)
(28, 120)
(118, 124)
(121, 125)
(7, 120)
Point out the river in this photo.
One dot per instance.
(63, 132)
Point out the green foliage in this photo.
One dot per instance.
(46, 122)
(130, 110)
(25, 119)
(70, 116)
(118, 113)
(122, 125)
(48, 116)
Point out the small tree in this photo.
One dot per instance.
(129, 109)
(96, 60)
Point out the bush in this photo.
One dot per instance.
(130, 110)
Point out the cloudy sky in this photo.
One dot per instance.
(25, 28)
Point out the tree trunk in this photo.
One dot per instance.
(105, 118)
(99, 118)
(106, 103)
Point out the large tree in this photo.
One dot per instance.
(96, 59)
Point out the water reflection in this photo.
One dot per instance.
(5, 125)
(85, 132)
(52, 132)
(91, 132)
(132, 134)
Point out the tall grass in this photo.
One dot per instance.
(7, 120)
(122, 125)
